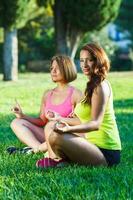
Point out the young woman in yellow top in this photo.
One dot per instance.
(96, 140)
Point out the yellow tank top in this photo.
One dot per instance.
(107, 136)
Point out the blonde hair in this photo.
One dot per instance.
(66, 67)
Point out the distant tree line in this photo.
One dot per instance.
(71, 20)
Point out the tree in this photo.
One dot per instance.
(14, 14)
(73, 19)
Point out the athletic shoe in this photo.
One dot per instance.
(11, 149)
(49, 162)
(24, 150)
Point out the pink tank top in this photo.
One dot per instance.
(64, 109)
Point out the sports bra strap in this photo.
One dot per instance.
(71, 89)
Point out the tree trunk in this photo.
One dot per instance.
(10, 55)
(67, 39)
(60, 28)
(73, 40)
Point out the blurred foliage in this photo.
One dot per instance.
(1, 47)
(1, 35)
(100, 37)
(125, 17)
(36, 40)
(90, 15)
(37, 37)
(124, 58)
(10, 11)
(72, 20)
(121, 62)
(16, 13)
(45, 2)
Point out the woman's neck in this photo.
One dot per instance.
(62, 86)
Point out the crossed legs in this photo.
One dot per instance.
(28, 133)
(77, 149)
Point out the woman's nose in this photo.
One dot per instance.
(53, 70)
(85, 63)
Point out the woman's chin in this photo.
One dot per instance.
(86, 73)
(54, 79)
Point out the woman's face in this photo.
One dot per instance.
(86, 62)
(55, 72)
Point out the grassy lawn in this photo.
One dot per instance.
(19, 178)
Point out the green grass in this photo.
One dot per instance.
(19, 178)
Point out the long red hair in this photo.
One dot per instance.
(99, 69)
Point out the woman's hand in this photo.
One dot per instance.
(61, 127)
(17, 110)
(53, 116)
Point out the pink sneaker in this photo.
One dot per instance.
(49, 162)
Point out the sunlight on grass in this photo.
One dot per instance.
(19, 178)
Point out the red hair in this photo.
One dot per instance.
(99, 69)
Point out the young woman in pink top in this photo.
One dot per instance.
(59, 101)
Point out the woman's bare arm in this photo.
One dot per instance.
(98, 105)
(41, 120)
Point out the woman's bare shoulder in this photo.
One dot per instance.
(77, 95)
(103, 89)
(45, 93)
(106, 87)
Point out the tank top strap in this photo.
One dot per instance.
(110, 88)
(49, 95)
(71, 89)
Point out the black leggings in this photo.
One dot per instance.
(112, 156)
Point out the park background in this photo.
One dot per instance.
(31, 32)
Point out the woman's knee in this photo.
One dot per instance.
(16, 122)
(54, 139)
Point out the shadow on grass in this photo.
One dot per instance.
(124, 104)
(124, 118)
